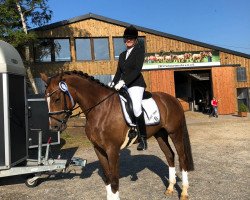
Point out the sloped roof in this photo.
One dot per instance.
(143, 29)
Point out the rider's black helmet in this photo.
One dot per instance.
(130, 32)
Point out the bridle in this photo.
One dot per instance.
(68, 112)
(63, 88)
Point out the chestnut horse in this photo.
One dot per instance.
(106, 127)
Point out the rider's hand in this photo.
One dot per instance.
(111, 84)
(119, 85)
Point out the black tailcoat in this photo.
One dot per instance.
(130, 70)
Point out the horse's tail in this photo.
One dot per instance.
(187, 148)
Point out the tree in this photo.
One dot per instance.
(17, 16)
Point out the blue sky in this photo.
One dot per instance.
(224, 23)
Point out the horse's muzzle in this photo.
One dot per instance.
(59, 127)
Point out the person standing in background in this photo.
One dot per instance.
(214, 104)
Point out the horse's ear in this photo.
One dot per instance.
(44, 77)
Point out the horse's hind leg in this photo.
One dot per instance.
(181, 142)
(162, 139)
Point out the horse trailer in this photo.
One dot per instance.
(23, 123)
(13, 112)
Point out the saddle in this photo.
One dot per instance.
(149, 108)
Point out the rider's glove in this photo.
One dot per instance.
(119, 85)
(111, 84)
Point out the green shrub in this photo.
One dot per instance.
(243, 108)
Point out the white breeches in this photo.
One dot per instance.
(136, 95)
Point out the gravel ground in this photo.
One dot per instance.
(222, 168)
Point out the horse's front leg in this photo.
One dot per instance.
(110, 164)
(113, 188)
(103, 158)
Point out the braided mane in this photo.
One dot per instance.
(86, 76)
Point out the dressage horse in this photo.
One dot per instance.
(107, 129)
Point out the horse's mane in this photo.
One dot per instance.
(83, 75)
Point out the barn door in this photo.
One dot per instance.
(223, 80)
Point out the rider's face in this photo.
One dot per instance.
(129, 42)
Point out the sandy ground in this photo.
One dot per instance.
(222, 167)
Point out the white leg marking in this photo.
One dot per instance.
(114, 196)
(108, 188)
(172, 172)
(185, 178)
(111, 195)
(171, 180)
(185, 184)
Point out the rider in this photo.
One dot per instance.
(129, 74)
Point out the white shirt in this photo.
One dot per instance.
(128, 52)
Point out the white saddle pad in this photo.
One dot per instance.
(151, 111)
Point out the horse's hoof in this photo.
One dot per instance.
(184, 197)
(169, 192)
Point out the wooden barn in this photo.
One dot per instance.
(192, 71)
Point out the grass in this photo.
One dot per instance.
(74, 137)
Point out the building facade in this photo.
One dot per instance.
(192, 71)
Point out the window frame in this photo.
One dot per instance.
(139, 37)
(52, 50)
(93, 38)
(35, 51)
(70, 53)
(113, 41)
(241, 74)
(92, 48)
(91, 51)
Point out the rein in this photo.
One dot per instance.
(89, 109)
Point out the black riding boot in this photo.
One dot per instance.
(141, 133)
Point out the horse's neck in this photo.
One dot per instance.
(90, 94)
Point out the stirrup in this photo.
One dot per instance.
(142, 145)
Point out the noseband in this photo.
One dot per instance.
(63, 88)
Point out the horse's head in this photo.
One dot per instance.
(60, 101)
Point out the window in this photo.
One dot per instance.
(48, 50)
(92, 49)
(105, 79)
(43, 51)
(241, 74)
(101, 49)
(62, 50)
(141, 42)
(119, 45)
(83, 49)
